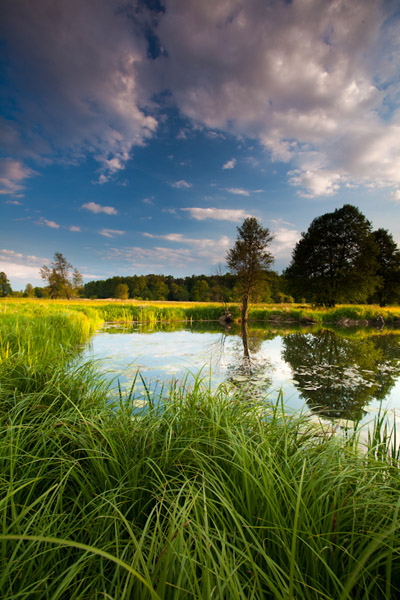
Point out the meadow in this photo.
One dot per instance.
(205, 494)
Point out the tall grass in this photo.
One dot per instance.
(209, 498)
(204, 494)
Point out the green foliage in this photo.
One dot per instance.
(388, 268)
(335, 260)
(249, 259)
(58, 278)
(202, 495)
(5, 287)
(122, 291)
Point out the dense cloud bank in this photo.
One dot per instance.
(316, 83)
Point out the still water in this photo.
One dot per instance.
(339, 373)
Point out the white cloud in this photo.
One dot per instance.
(284, 241)
(206, 249)
(148, 201)
(74, 228)
(238, 191)
(12, 175)
(51, 224)
(89, 99)
(110, 233)
(316, 183)
(303, 78)
(230, 164)
(17, 265)
(182, 184)
(98, 208)
(16, 202)
(396, 196)
(298, 76)
(19, 271)
(219, 214)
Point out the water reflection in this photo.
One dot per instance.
(340, 376)
(338, 372)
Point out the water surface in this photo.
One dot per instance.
(339, 373)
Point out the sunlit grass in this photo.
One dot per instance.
(157, 311)
(200, 494)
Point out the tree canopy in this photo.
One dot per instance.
(58, 277)
(335, 260)
(5, 287)
(388, 268)
(249, 259)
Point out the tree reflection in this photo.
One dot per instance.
(339, 376)
(250, 370)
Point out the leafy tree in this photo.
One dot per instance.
(29, 291)
(58, 277)
(249, 259)
(388, 271)
(335, 260)
(122, 291)
(201, 291)
(77, 281)
(5, 287)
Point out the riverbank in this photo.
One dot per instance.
(212, 496)
(152, 312)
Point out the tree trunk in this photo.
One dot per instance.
(245, 309)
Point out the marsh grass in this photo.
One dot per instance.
(202, 494)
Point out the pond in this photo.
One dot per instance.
(342, 373)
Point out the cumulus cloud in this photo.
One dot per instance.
(205, 249)
(238, 191)
(74, 228)
(284, 241)
(314, 82)
(98, 208)
(12, 175)
(297, 76)
(82, 94)
(182, 184)
(316, 183)
(219, 214)
(21, 266)
(111, 233)
(51, 224)
(230, 164)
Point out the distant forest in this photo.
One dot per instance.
(195, 288)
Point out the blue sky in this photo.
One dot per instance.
(136, 136)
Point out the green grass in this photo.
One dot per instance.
(205, 495)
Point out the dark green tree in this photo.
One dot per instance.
(249, 259)
(5, 287)
(335, 260)
(388, 271)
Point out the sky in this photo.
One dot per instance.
(137, 135)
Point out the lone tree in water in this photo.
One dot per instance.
(249, 259)
(335, 260)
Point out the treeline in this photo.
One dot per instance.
(194, 288)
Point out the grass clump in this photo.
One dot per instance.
(208, 496)
(203, 494)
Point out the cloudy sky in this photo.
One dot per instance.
(137, 135)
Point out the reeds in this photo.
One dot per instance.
(201, 494)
